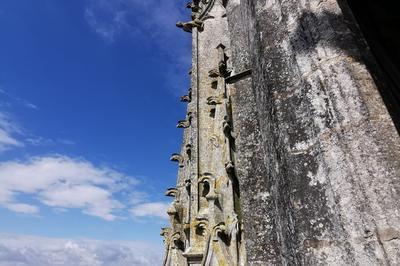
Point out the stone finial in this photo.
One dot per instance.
(177, 158)
(188, 26)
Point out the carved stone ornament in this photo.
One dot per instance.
(188, 26)
(183, 124)
(176, 241)
(165, 231)
(177, 158)
(201, 227)
(219, 229)
(206, 6)
(172, 211)
(171, 192)
(214, 73)
(215, 141)
(214, 100)
(186, 99)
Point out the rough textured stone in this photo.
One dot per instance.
(331, 149)
(316, 153)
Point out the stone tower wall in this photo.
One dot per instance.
(295, 140)
(319, 155)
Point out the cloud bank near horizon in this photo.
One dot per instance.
(16, 250)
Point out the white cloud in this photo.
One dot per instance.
(110, 24)
(21, 208)
(38, 251)
(7, 131)
(18, 100)
(62, 182)
(151, 209)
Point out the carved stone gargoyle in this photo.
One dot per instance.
(186, 99)
(175, 212)
(165, 231)
(188, 26)
(214, 100)
(177, 158)
(171, 192)
(185, 123)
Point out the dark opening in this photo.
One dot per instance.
(205, 190)
(380, 24)
(214, 85)
(212, 112)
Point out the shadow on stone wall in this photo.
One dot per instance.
(314, 30)
(326, 30)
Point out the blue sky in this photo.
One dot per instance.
(88, 107)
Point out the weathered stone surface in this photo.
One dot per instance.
(205, 226)
(330, 147)
(305, 143)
